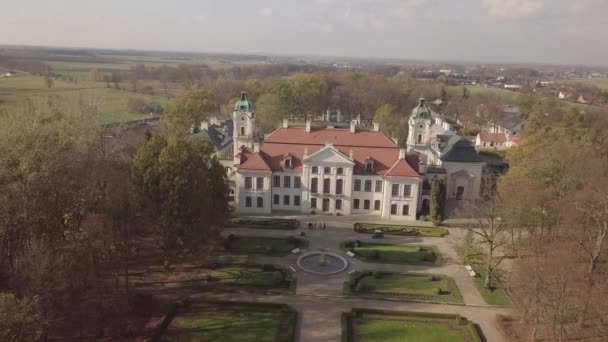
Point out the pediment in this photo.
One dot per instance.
(328, 155)
(462, 173)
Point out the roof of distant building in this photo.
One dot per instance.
(510, 119)
(220, 135)
(256, 163)
(493, 137)
(454, 148)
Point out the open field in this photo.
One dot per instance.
(410, 286)
(601, 83)
(379, 325)
(227, 322)
(508, 95)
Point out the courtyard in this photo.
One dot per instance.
(404, 273)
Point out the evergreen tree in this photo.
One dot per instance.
(438, 190)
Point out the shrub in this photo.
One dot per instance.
(269, 250)
(438, 291)
(227, 245)
(268, 268)
(378, 275)
(374, 254)
(231, 237)
(360, 287)
(433, 278)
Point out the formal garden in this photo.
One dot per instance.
(425, 287)
(374, 228)
(262, 222)
(227, 322)
(390, 253)
(221, 277)
(389, 326)
(263, 245)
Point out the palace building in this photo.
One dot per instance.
(351, 170)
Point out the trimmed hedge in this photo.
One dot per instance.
(262, 223)
(370, 228)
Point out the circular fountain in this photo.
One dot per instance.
(322, 262)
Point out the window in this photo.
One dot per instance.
(357, 185)
(313, 203)
(276, 200)
(248, 202)
(315, 170)
(377, 205)
(247, 182)
(287, 182)
(338, 204)
(340, 171)
(297, 182)
(276, 181)
(314, 185)
(419, 138)
(296, 201)
(366, 204)
(260, 202)
(242, 130)
(369, 166)
(368, 186)
(407, 190)
(327, 170)
(339, 186)
(326, 186)
(395, 190)
(378, 186)
(288, 163)
(406, 210)
(356, 204)
(393, 209)
(259, 183)
(286, 200)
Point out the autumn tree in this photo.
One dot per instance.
(188, 109)
(183, 188)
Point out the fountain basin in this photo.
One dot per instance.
(310, 263)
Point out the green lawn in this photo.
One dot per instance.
(473, 256)
(399, 254)
(370, 228)
(263, 245)
(412, 286)
(388, 326)
(229, 322)
(254, 276)
(262, 222)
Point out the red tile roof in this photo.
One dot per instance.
(493, 137)
(256, 163)
(401, 168)
(363, 144)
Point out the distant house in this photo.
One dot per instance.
(513, 86)
(503, 132)
(564, 95)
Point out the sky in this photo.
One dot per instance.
(517, 31)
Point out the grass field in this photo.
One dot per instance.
(601, 83)
(228, 322)
(474, 257)
(507, 95)
(111, 103)
(254, 276)
(263, 245)
(386, 326)
(370, 228)
(411, 286)
(398, 254)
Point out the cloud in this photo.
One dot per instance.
(513, 9)
(265, 12)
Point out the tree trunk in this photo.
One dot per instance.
(488, 282)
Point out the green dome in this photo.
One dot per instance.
(244, 104)
(421, 110)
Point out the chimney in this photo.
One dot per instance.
(305, 152)
(285, 123)
(204, 125)
(353, 126)
(401, 153)
(328, 144)
(376, 127)
(351, 153)
(256, 147)
(395, 140)
(308, 125)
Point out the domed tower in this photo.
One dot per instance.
(419, 127)
(244, 122)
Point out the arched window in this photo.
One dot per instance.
(406, 210)
(393, 209)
